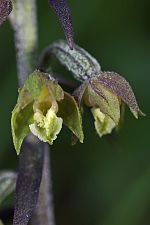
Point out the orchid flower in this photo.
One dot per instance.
(42, 108)
(103, 92)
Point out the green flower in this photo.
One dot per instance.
(104, 94)
(42, 108)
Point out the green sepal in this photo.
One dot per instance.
(20, 121)
(40, 85)
(119, 86)
(22, 116)
(69, 112)
(107, 101)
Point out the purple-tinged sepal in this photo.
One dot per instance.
(104, 94)
(119, 86)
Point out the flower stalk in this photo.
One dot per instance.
(24, 22)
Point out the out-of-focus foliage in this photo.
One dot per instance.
(103, 181)
(7, 184)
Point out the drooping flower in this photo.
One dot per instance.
(42, 108)
(103, 92)
(5, 10)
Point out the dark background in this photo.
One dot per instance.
(103, 181)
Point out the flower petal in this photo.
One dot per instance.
(63, 12)
(48, 130)
(103, 123)
(118, 85)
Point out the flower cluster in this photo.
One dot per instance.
(43, 106)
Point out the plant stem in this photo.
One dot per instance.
(44, 211)
(24, 22)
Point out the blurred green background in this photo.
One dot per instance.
(103, 181)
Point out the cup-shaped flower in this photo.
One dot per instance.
(5, 9)
(104, 94)
(42, 108)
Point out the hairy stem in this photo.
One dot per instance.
(44, 211)
(24, 22)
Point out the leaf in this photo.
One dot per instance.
(7, 184)
(62, 10)
(5, 10)
(69, 112)
(78, 61)
(28, 181)
(119, 86)
(20, 120)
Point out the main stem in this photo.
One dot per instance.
(44, 214)
(24, 21)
